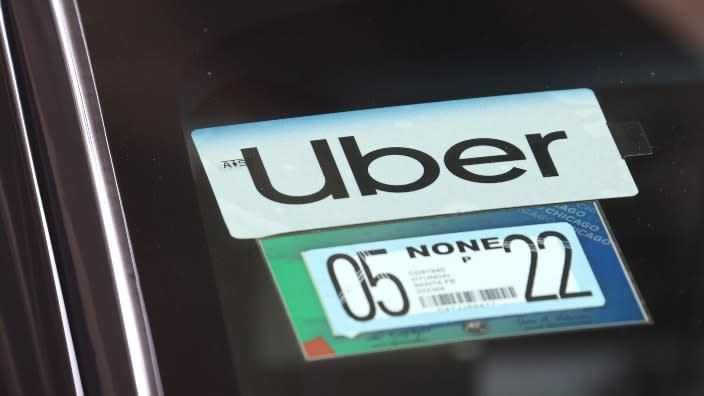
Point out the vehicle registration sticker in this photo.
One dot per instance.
(413, 283)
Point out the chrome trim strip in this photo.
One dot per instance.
(4, 41)
(136, 326)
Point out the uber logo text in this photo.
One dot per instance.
(360, 163)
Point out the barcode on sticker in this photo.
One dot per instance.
(440, 300)
(498, 293)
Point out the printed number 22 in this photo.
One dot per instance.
(362, 275)
(534, 264)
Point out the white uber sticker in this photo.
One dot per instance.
(401, 162)
(454, 277)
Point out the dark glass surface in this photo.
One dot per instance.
(163, 68)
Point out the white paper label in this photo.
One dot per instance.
(452, 277)
(401, 162)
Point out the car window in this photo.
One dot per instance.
(218, 320)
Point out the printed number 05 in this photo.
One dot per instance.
(363, 274)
